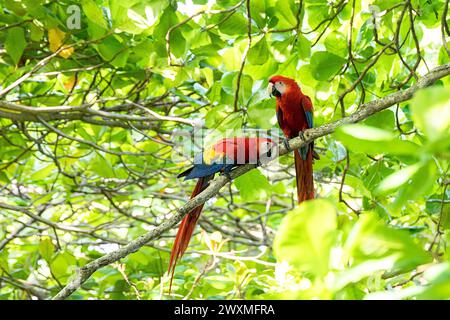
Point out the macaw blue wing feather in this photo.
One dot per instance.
(309, 119)
(307, 107)
(203, 170)
(304, 152)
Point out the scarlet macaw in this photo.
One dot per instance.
(221, 157)
(295, 114)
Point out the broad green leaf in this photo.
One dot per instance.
(262, 114)
(62, 264)
(362, 138)
(285, 13)
(15, 6)
(102, 167)
(94, 12)
(438, 279)
(43, 173)
(113, 51)
(46, 249)
(430, 109)
(15, 43)
(253, 185)
(306, 236)
(398, 178)
(236, 24)
(303, 47)
(435, 285)
(357, 184)
(383, 120)
(382, 247)
(324, 65)
(36, 33)
(4, 258)
(421, 183)
(258, 12)
(259, 53)
(336, 43)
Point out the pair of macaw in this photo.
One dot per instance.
(294, 113)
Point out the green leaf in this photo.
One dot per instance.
(43, 173)
(262, 114)
(372, 242)
(383, 120)
(61, 264)
(4, 258)
(113, 51)
(258, 11)
(430, 109)
(94, 13)
(421, 183)
(336, 44)
(306, 236)
(285, 13)
(102, 167)
(438, 278)
(36, 33)
(357, 184)
(15, 43)
(324, 65)
(15, 6)
(46, 249)
(397, 179)
(362, 138)
(177, 43)
(436, 286)
(259, 53)
(303, 47)
(253, 185)
(236, 24)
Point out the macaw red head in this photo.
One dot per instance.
(280, 85)
(265, 146)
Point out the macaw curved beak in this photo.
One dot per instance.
(272, 90)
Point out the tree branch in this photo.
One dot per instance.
(214, 187)
(83, 112)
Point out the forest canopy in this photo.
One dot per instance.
(94, 92)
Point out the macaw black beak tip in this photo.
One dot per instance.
(275, 92)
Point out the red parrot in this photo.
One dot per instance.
(295, 114)
(221, 157)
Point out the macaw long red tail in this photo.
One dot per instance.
(304, 176)
(186, 229)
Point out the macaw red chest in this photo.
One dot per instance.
(293, 117)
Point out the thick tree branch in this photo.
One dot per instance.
(85, 113)
(364, 112)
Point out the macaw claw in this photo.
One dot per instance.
(286, 144)
(301, 135)
(227, 175)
